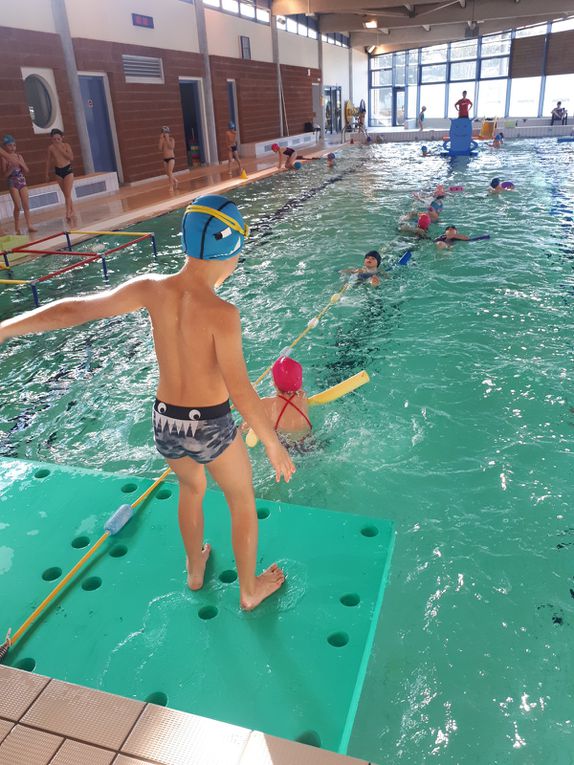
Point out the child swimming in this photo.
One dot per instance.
(288, 410)
(497, 186)
(370, 270)
(422, 227)
(446, 240)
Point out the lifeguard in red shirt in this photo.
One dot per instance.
(463, 105)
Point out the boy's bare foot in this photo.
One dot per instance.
(195, 578)
(265, 585)
(32, 228)
(17, 231)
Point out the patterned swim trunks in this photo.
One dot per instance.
(202, 433)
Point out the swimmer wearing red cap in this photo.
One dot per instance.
(288, 152)
(288, 410)
(422, 227)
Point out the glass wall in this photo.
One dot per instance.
(436, 76)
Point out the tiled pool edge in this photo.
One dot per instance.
(182, 738)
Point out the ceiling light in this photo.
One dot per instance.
(371, 24)
(370, 49)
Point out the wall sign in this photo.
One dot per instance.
(142, 21)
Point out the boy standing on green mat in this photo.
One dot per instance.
(197, 338)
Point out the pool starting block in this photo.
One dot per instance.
(129, 625)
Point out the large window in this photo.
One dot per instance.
(559, 87)
(432, 96)
(479, 65)
(256, 10)
(491, 99)
(524, 96)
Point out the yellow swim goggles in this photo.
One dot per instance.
(226, 219)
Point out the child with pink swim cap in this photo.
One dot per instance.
(288, 410)
(289, 153)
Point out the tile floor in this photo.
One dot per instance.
(49, 722)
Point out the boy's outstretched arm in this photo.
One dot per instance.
(229, 351)
(73, 311)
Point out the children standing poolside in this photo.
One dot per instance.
(60, 156)
(14, 167)
(197, 338)
(232, 151)
(167, 147)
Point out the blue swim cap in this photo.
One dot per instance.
(213, 228)
(498, 137)
(330, 155)
(297, 165)
(8, 139)
(424, 148)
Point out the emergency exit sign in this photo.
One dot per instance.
(142, 21)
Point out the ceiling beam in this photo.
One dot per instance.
(418, 37)
(290, 7)
(488, 10)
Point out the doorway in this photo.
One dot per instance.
(232, 104)
(317, 111)
(332, 109)
(192, 111)
(94, 100)
(398, 107)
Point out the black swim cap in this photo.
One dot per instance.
(374, 254)
(495, 182)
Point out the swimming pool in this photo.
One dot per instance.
(463, 438)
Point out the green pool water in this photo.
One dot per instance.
(463, 438)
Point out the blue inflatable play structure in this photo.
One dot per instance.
(460, 143)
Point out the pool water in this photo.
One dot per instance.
(463, 438)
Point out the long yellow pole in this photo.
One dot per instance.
(60, 586)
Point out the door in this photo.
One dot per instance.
(333, 110)
(398, 106)
(316, 90)
(192, 122)
(232, 104)
(98, 122)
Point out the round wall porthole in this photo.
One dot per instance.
(39, 98)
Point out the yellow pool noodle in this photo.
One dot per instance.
(325, 397)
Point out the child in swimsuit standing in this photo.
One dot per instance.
(232, 153)
(14, 169)
(60, 156)
(167, 147)
(197, 339)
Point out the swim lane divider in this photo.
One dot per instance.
(116, 522)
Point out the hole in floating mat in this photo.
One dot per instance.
(159, 698)
(369, 531)
(351, 599)
(262, 513)
(163, 494)
(80, 542)
(26, 664)
(51, 573)
(338, 639)
(228, 576)
(92, 583)
(207, 612)
(128, 488)
(42, 473)
(309, 737)
(118, 551)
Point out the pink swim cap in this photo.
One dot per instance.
(424, 221)
(287, 375)
(275, 147)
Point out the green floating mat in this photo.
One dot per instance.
(127, 624)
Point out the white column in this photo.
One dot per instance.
(208, 91)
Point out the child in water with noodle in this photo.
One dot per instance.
(288, 410)
(197, 338)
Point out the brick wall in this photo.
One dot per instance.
(19, 47)
(257, 99)
(298, 91)
(141, 109)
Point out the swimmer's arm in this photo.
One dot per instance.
(71, 312)
(23, 165)
(463, 237)
(229, 352)
(68, 153)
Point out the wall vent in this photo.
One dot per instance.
(87, 189)
(47, 199)
(143, 69)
